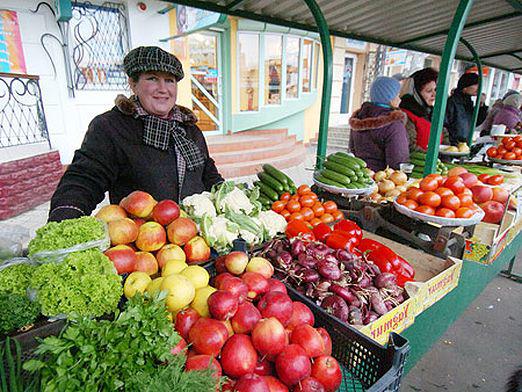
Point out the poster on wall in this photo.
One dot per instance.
(190, 19)
(11, 52)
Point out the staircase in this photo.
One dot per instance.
(244, 153)
(338, 138)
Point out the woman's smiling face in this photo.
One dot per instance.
(157, 92)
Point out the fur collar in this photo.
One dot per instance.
(126, 106)
(358, 124)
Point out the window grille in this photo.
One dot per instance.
(100, 41)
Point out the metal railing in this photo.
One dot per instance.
(22, 117)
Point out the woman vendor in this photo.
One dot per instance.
(145, 142)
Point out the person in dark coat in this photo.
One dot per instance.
(378, 135)
(145, 142)
(459, 110)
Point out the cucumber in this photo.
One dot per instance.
(327, 181)
(418, 155)
(271, 182)
(279, 176)
(417, 162)
(339, 168)
(334, 176)
(359, 185)
(344, 162)
(264, 201)
(359, 161)
(267, 190)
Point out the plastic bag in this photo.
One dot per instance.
(13, 238)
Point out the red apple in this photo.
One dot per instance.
(245, 318)
(146, 262)
(309, 339)
(251, 383)
(219, 279)
(151, 237)
(208, 336)
(222, 305)
(500, 194)
(235, 286)
(111, 213)
(276, 304)
(202, 362)
(180, 347)
(122, 231)
(165, 212)
(261, 266)
(276, 285)
(481, 194)
(185, 319)
(274, 385)
(292, 365)
(139, 222)
(269, 336)
(220, 264)
(327, 341)
(309, 384)
(236, 262)
(301, 314)
(197, 250)
(138, 204)
(264, 367)
(238, 357)
(181, 231)
(326, 369)
(494, 211)
(470, 179)
(123, 258)
(456, 171)
(170, 252)
(257, 284)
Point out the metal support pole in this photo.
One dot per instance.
(439, 111)
(327, 79)
(479, 92)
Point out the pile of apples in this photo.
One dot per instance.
(253, 333)
(145, 234)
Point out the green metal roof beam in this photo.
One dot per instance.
(469, 25)
(441, 98)
(479, 92)
(502, 53)
(233, 5)
(516, 4)
(166, 9)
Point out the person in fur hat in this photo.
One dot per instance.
(378, 135)
(145, 142)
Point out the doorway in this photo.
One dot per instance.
(350, 62)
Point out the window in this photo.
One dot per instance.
(307, 64)
(317, 52)
(100, 42)
(248, 72)
(273, 69)
(292, 67)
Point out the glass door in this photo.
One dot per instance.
(347, 88)
(206, 80)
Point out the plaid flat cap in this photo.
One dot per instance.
(152, 58)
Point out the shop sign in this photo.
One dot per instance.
(11, 52)
(396, 57)
(355, 44)
(190, 19)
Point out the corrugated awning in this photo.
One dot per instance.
(493, 28)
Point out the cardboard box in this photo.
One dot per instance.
(434, 278)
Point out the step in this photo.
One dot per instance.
(218, 144)
(265, 132)
(294, 158)
(256, 153)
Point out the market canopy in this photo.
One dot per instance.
(493, 27)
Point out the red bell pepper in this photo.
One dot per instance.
(387, 260)
(351, 228)
(339, 239)
(299, 228)
(322, 231)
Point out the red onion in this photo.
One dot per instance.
(298, 247)
(284, 259)
(355, 316)
(370, 318)
(385, 280)
(335, 305)
(331, 258)
(328, 270)
(365, 281)
(378, 305)
(323, 286)
(309, 275)
(318, 251)
(305, 260)
(344, 293)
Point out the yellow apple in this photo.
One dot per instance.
(137, 282)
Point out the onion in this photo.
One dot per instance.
(284, 259)
(389, 171)
(309, 275)
(379, 176)
(393, 193)
(319, 251)
(370, 318)
(355, 316)
(331, 259)
(385, 186)
(365, 281)
(328, 270)
(323, 286)
(343, 255)
(343, 292)
(398, 178)
(305, 260)
(335, 305)
(298, 247)
(378, 305)
(385, 280)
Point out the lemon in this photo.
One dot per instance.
(155, 285)
(180, 290)
(173, 267)
(197, 275)
(199, 304)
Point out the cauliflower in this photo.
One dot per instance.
(272, 222)
(249, 237)
(219, 232)
(199, 204)
(237, 201)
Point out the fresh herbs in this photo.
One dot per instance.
(16, 311)
(15, 279)
(84, 283)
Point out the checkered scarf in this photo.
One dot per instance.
(159, 133)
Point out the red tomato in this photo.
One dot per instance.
(414, 193)
(429, 184)
(315, 221)
(313, 196)
(505, 141)
(518, 138)
(465, 200)
(510, 145)
(430, 199)
(497, 179)
(318, 209)
(402, 199)
(501, 150)
(443, 191)
(464, 212)
(285, 214)
(466, 191)
(295, 197)
(455, 183)
(327, 218)
(517, 151)
(278, 206)
(425, 210)
(306, 201)
(437, 177)
(307, 213)
(445, 212)
(492, 152)
(285, 196)
(293, 206)
(338, 215)
(411, 204)
(295, 216)
(484, 178)
(330, 206)
(451, 202)
(303, 190)
(510, 156)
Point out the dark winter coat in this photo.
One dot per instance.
(114, 158)
(378, 136)
(459, 114)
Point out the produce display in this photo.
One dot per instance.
(460, 148)
(305, 206)
(344, 171)
(481, 170)
(355, 279)
(15, 278)
(390, 184)
(16, 311)
(509, 149)
(272, 184)
(418, 159)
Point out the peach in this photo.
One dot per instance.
(139, 204)
(123, 257)
(181, 230)
(197, 250)
(146, 262)
(111, 213)
(151, 237)
(122, 231)
(170, 252)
